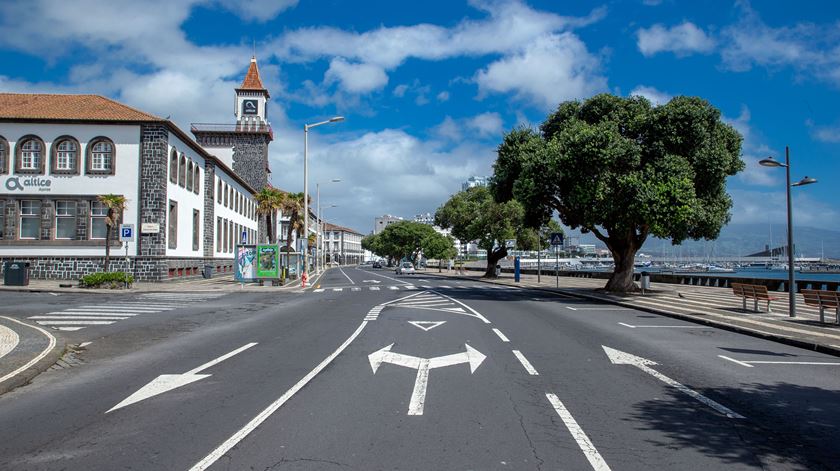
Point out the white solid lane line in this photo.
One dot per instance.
(595, 459)
(736, 361)
(501, 335)
(665, 326)
(75, 322)
(50, 346)
(345, 276)
(525, 363)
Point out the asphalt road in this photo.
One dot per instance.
(368, 371)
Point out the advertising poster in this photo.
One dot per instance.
(268, 261)
(246, 263)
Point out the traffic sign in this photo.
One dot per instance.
(556, 238)
(510, 243)
(244, 237)
(126, 232)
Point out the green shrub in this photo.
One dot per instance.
(116, 279)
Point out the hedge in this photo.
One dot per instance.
(113, 280)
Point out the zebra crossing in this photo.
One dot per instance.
(77, 318)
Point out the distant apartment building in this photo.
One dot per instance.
(381, 222)
(428, 219)
(342, 245)
(475, 181)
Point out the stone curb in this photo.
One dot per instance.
(779, 338)
(25, 377)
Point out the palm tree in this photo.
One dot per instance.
(269, 200)
(116, 206)
(292, 206)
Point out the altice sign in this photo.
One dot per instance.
(28, 183)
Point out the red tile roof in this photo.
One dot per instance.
(252, 78)
(332, 227)
(35, 106)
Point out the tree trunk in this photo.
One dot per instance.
(493, 257)
(440, 266)
(107, 247)
(624, 255)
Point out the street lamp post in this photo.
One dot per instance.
(320, 246)
(771, 162)
(306, 128)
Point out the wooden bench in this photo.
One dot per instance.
(755, 292)
(823, 299)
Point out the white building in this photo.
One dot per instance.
(475, 181)
(342, 245)
(58, 153)
(381, 222)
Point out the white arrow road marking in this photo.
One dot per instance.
(618, 357)
(164, 383)
(426, 325)
(664, 326)
(589, 450)
(752, 363)
(423, 365)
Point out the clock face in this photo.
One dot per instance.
(250, 107)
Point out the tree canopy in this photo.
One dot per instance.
(403, 239)
(623, 170)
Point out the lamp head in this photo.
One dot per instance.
(336, 180)
(770, 162)
(805, 181)
(336, 119)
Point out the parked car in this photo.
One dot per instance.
(405, 268)
(376, 264)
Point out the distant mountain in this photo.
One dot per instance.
(737, 240)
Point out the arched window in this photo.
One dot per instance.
(4, 156)
(101, 157)
(173, 167)
(65, 156)
(30, 155)
(182, 171)
(197, 181)
(190, 176)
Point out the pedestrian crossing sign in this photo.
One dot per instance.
(556, 238)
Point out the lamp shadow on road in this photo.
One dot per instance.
(787, 426)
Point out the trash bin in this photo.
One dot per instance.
(208, 271)
(498, 270)
(645, 281)
(16, 274)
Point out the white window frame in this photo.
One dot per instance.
(101, 160)
(32, 152)
(64, 215)
(65, 158)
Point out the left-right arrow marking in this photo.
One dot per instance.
(617, 357)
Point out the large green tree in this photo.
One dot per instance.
(473, 215)
(400, 240)
(439, 247)
(624, 170)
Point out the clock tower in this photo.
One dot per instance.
(251, 98)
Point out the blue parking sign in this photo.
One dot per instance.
(126, 232)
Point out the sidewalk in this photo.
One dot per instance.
(713, 306)
(219, 283)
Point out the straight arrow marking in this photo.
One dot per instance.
(618, 357)
(164, 383)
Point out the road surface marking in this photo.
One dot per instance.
(472, 312)
(501, 335)
(525, 363)
(410, 287)
(426, 287)
(586, 446)
(85, 344)
(371, 281)
(355, 289)
(665, 326)
(345, 276)
(337, 289)
(237, 437)
(86, 313)
(75, 322)
(571, 308)
(109, 309)
(9, 339)
(444, 287)
(423, 365)
(80, 318)
(319, 290)
(393, 288)
(164, 383)
(736, 361)
(50, 346)
(426, 325)
(385, 276)
(374, 288)
(618, 357)
(71, 329)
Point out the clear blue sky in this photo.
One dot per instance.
(429, 87)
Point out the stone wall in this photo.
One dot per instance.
(154, 143)
(250, 158)
(209, 208)
(143, 269)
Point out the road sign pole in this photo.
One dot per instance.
(556, 266)
(539, 266)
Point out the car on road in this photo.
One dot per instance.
(376, 265)
(405, 268)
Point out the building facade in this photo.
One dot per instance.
(59, 153)
(342, 245)
(381, 222)
(475, 181)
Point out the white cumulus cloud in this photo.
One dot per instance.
(682, 39)
(657, 97)
(356, 78)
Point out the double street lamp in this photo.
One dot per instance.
(771, 162)
(306, 128)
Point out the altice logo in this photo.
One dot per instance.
(14, 183)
